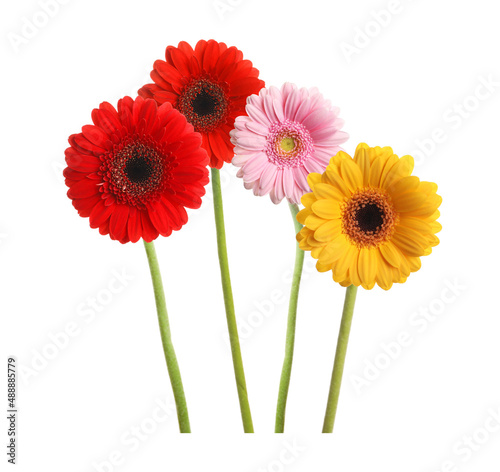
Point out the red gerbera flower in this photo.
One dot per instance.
(209, 86)
(136, 169)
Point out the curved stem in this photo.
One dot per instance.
(290, 330)
(340, 355)
(166, 339)
(239, 372)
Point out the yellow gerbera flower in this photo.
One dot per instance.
(367, 219)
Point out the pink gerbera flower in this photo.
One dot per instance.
(287, 134)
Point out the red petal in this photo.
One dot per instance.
(169, 73)
(186, 48)
(96, 136)
(147, 91)
(160, 219)
(106, 120)
(83, 189)
(208, 54)
(86, 205)
(149, 232)
(245, 87)
(100, 213)
(180, 61)
(134, 225)
(118, 221)
(81, 162)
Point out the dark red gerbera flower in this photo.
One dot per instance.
(209, 86)
(135, 170)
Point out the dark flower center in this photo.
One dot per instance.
(370, 217)
(135, 172)
(204, 104)
(138, 170)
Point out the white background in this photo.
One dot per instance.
(419, 71)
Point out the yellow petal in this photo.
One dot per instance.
(341, 267)
(407, 246)
(312, 241)
(428, 187)
(328, 209)
(436, 226)
(369, 286)
(384, 274)
(417, 224)
(414, 235)
(316, 252)
(376, 168)
(389, 165)
(334, 250)
(367, 265)
(308, 199)
(302, 215)
(404, 185)
(328, 231)
(428, 207)
(433, 240)
(344, 282)
(351, 174)
(353, 271)
(323, 267)
(390, 253)
(409, 202)
(314, 222)
(313, 178)
(363, 161)
(338, 182)
(327, 191)
(402, 168)
(415, 263)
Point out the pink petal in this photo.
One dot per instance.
(257, 115)
(241, 159)
(277, 193)
(291, 104)
(301, 178)
(257, 128)
(322, 134)
(286, 89)
(316, 119)
(312, 165)
(253, 168)
(254, 142)
(269, 109)
(267, 178)
(278, 110)
(303, 110)
(288, 182)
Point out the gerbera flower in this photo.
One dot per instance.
(209, 86)
(136, 169)
(287, 134)
(368, 219)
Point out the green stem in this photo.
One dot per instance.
(290, 330)
(338, 366)
(166, 339)
(239, 372)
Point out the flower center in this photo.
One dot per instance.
(288, 144)
(369, 217)
(135, 172)
(204, 104)
(138, 170)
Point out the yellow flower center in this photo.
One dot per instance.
(369, 218)
(287, 144)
